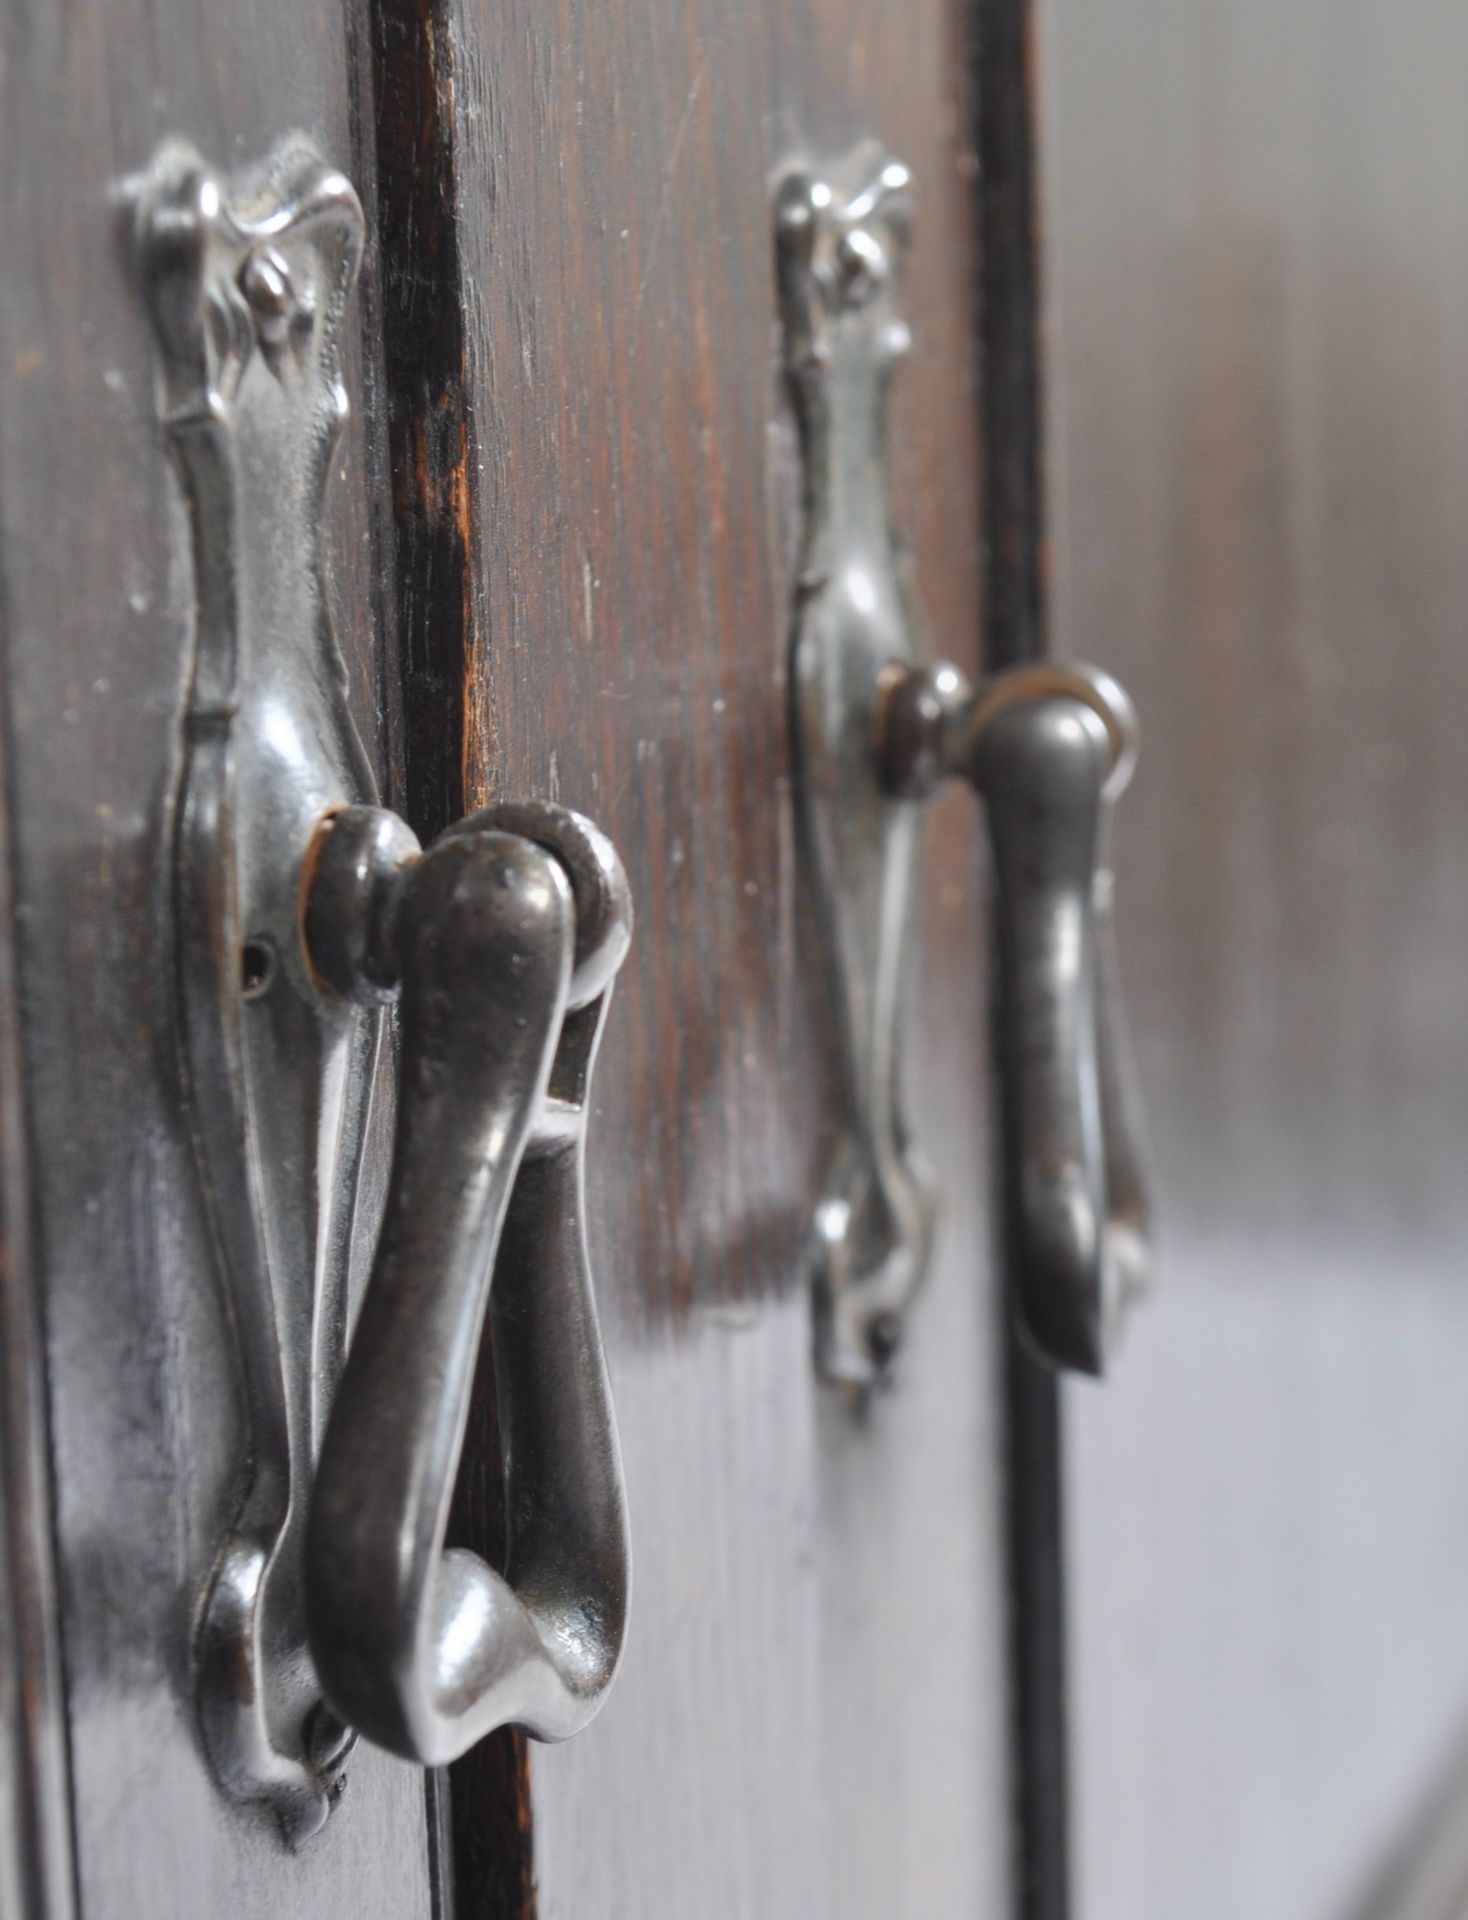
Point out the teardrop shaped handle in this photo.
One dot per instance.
(503, 940)
(1076, 1201)
(1049, 748)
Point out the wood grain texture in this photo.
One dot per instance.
(1259, 412)
(425, 396)
(811, 1718)
(145, 1416)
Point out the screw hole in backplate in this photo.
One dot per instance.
(257, 967)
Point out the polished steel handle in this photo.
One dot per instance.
(504, 936)
(1048, 748)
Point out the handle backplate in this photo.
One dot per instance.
(840, 241)
(247, 281)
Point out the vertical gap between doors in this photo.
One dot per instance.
(1005, 37)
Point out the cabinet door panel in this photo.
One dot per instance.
(1258, 266)
(812, 1713)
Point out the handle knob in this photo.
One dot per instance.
(503, 940)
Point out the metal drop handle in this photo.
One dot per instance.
(504, 938)
(1049, 749)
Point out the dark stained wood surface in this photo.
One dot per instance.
(424, 395)
(812, 1715)
(145, 1419)
(1259, 265)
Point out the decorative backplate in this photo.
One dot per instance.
(248, 281)
(841, 240)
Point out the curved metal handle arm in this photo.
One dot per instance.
(1075, 1199)
(1049, 747)
(506, 935)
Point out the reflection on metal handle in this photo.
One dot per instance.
(505, 937)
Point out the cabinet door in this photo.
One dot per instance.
(811, 1717)
(561, 538)
(1257, 265)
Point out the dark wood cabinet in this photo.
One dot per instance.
(1181, 398)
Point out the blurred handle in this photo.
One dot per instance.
(1077, 1208)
